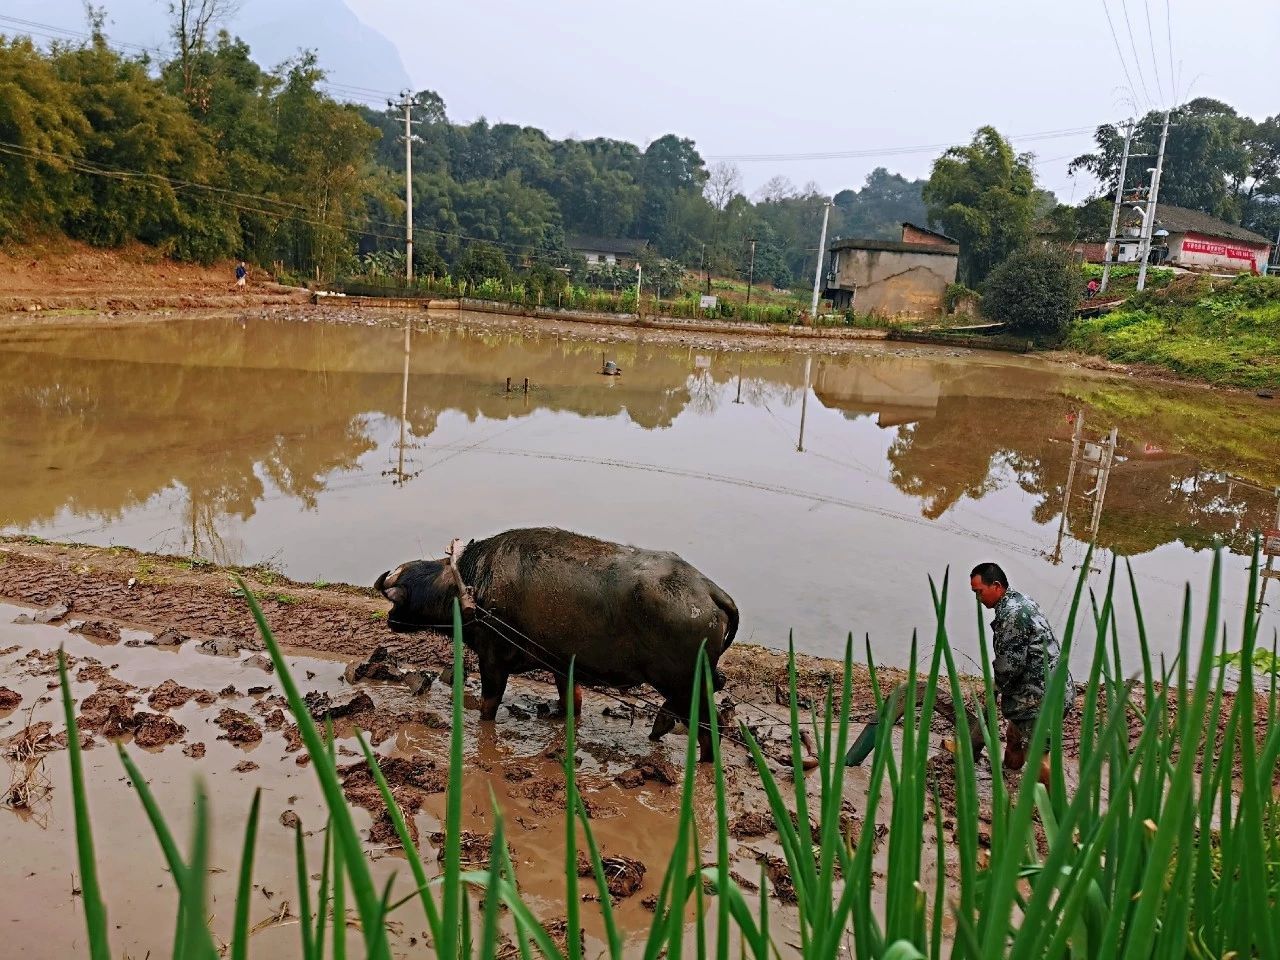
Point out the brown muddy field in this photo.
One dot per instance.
(164, 659)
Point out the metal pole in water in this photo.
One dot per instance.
(404, 402)
(804, 401)
(526, 386)
(508, 384)
(408, 188)
(1071, 476)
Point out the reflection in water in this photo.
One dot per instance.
(238, 442)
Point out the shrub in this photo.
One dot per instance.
(1033, 292)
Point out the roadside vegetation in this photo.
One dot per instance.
(1165, 843)
(1222, 331)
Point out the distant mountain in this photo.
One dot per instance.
(350, 52)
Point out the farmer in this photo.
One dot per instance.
(1025, 655)
(1091, 288)
(241, 273)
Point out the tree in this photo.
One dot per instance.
(191, 22)
(984, 195)
(37, 177)
(671, 168)
(878, 210)
(483, 261)
(1206, 157)
(1034, 292)
(724, 182)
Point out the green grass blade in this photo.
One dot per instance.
(244, 888)
(573, 904)
(309, 951)
(95, 911)
(346, 837)
(196, 939)
(411, 853)
(339, 903)
(451, 920)
(322, 897)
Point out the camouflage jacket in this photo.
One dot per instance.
(1026, 653)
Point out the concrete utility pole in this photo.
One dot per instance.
(822, 255)
(751, 270)
(1115, 214)
(1149, 221)
(639, 275)
(406, 101)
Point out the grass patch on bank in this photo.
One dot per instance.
(1224, 332)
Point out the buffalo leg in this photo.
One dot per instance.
(682, 706)
(562, 688)
(493, 684)
(665, 721)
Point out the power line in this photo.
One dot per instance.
(1124, 64)
(1137, 61)
(891, 151)
(88, 167)
(1155, 63)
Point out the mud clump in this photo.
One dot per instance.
(31, 740)
(411, 780)
(9, 699)
(753, 824)
(108, 712)
(51, 614)
(379, 666)
(474, 847)
(171, 694)
(168, 637)
(274, 720)
(383, 726)
(292, 739)
(658, 770)
(321, 704)
(623, 875)
(290, 820)
(259, 661)
(156, 730)
(238, 727)
(194, 750)
(244, 766)
(558, 931)
(784, 887)
(100, 631)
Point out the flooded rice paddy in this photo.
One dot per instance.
(819, 490)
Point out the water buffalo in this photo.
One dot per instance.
(628, 616)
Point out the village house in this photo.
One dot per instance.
(907, 277)
(1182, 238)
(606, 252)
(1196, 241)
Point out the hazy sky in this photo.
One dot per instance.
(749, 77)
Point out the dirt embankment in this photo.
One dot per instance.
(111, 587)
(61, 277)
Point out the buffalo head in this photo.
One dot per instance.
(421, 594)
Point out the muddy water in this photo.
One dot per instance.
(40, 912)
(819, 490)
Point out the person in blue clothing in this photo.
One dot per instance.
(241, 273)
